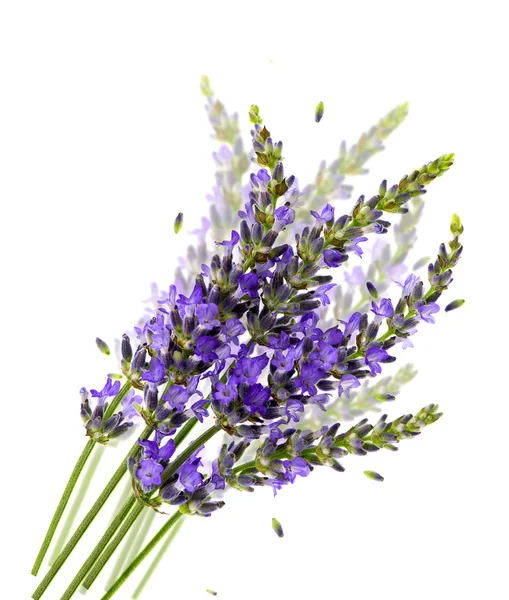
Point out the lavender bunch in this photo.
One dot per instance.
(248, 351)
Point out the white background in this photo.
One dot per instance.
(103, 139)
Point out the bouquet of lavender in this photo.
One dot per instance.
(248, 345)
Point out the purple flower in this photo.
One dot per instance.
(127, 407)
(296, 467)
(354, 247)
(332, 336)
(326, 215)
(384, 311)
(256, 399)
(346, 383)
(285, 215)
(408, 286)
(205, 348)
(109, 389)
(155, 373)
(310, 374)
(177, 397)
(324, 356)
(375, 355)
(232, 329)
(149, 474)
(206, 314)
(152, 450)
(225, 392)
(229, 245)
(321, 292)
(248, 284)
(333, 258)
(189, 476)
(249, 369)
(293, 407)
(187, 305)
(199, 410)
(352, 324)
(427, 310)
(284, 363)
(260, 180)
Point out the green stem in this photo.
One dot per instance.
(155, 563)
(143, 554)
(62, 504)
(103, 542)
(125, 556)
(72, 482)
(90, 516)
(78, 501)
(105, 555)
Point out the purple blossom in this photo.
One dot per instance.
(408, 286)
(199, 410)
(374, 356)
(249, 284)
(109, 389)
(261, 180)
(284, 363)
(189, 476)
(324, 355)
(321, 293)
(333, 258)
(326, 215)
(230, 244)
(332, 336)
(427, 310)
(149, 474)
(127, 407)
(177, 397)
(352, 324)
(383, 311)
(225, 392)
(205, 348)
(310, 374)
(293, 406)
(249, 369)
(206, 314)
(152, 450)
(256, 399)
(285, 215)
(296, 467)
(347, 383)
(187, 305)
(232, 329)
(155, 373)
(354, 247)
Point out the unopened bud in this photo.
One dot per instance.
(276, 526)
(373, 475)
(319, 112)
(179, 221)
(103, 346)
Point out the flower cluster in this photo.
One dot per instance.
(249, 346)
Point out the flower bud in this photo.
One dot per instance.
(454, 305)
(319, 112)
(103, 346)
(373, 475)
(179, 221)
(276, 526)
